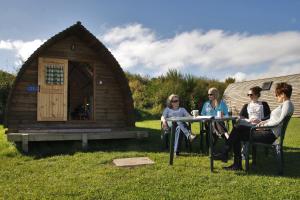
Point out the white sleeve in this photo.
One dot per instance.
(285, 110)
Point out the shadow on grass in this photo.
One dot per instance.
(267, 165)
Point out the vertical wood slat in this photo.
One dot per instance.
(52, 99)
(25, 139)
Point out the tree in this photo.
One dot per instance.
(229, 80)
(6, 81)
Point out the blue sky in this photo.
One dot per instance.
(216, 39)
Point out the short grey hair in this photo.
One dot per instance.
(169, 99)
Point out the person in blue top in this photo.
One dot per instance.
(214, 104)
(211, 108)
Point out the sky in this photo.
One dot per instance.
(245, 40)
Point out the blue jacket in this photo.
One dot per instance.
(208, 110)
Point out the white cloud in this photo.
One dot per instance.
(21, 48)
(215, 53)
(239, 76)
(211, 53)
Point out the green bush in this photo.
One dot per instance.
(6, 80)
(150, 94)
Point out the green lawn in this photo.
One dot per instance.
(60, 170)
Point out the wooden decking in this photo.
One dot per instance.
(84, 135)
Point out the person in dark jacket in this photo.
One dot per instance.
(255, 111)
(251, 114)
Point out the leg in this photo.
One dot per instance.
(177, 136)
(238, 134)
(247, 156)
(253, 155)
(184, 129)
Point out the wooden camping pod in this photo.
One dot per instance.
(71, 69)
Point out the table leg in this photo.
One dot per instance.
(172, 138)
(201, 137)
(211, 147)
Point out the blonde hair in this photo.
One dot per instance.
(215, 92)
(169, 99)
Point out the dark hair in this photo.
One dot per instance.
(256, 90)
(284, 88)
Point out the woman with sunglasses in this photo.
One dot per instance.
(251, 114)
(211, 107)
(174, 110)
(255, 111)
(240, 133)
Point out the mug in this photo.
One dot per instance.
(219, 114)
(195, 113)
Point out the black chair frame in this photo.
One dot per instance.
(277, 146)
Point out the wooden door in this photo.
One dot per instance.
(53, 89)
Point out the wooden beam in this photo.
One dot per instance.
(25, 140)
(84, 137)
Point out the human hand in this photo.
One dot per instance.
(165, 125)
(255, 121)
(261, 123)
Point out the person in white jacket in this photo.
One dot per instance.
(283, 94)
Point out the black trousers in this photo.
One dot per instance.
(242, 133)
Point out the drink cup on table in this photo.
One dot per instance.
(195, 113)
(219, 114)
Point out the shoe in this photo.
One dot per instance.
(220, 156)
(176, 154)
(233, 167)
(192, 137)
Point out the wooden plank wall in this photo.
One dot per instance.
(110, 109)
(235, 94)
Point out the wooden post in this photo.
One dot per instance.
(84, 141)
(25, 142)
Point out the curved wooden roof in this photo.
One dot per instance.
(93, 43)
(235, 94)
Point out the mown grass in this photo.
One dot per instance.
(60, 170)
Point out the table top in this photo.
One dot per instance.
(201, 118)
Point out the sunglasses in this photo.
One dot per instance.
(210, 94)
(175, 101)
(249, 95)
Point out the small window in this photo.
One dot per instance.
(54, 74)
(266, 85)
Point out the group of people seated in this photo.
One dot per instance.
(255, 113)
